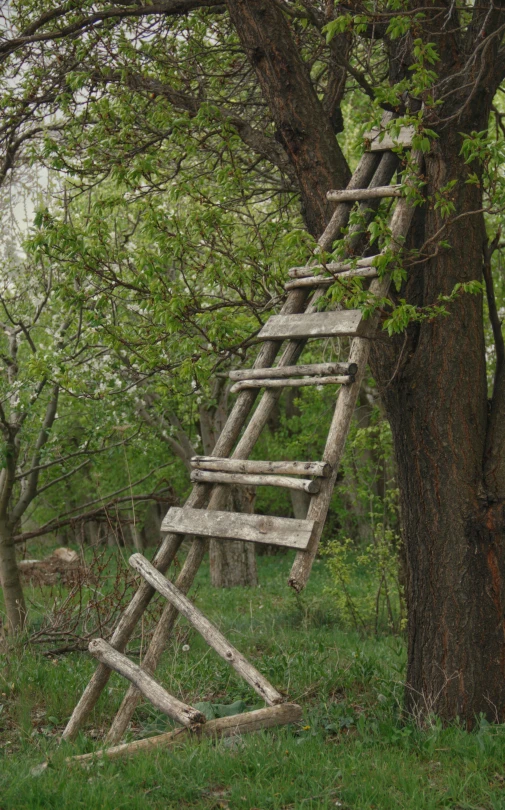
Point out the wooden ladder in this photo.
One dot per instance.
(203, 517)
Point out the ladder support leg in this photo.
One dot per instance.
(207, 630)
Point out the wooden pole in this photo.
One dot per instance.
(296, 382)
(237, 465)
(346, 195)
(311, 369)
(207, 630)
(215, 729)
(327, 281)
(150, 688)
(249, 480)
(331, 267)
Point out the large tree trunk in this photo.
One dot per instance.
(437, 406)
(10, 580)
(304, 126)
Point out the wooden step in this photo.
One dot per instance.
(314, 369)
(328, 281)
(356, 194)
(294, 382)
(314, 325)
(330, 267)
(375, 143)
(250, 480)
(276, 531)
(237, 465)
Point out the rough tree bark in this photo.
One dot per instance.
(304, 126)
(454, 535)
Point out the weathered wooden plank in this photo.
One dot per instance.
(207, 630)
(353, 195)
(145, 683)
(374, 142)
(316, 325)
(312, 369)
(237, 465)
(215, 729)
(328, 281)
(249, 480)
(297, 382)
(276, 531)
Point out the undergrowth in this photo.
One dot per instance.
(353, 748)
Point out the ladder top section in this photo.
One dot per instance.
(286, 532)
(377, 140)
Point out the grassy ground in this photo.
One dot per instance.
(352, 749)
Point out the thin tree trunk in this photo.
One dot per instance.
(233, 563)
(10, 580)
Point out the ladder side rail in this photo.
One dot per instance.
(346, 403)
(365, 173)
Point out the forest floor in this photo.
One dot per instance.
(353, 749)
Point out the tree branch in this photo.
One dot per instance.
(30, 35)
(59, 523)
(30, 489)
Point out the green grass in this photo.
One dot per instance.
(352, 749)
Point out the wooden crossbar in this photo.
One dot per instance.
(145, 683)
(207, 630)
(238, 724)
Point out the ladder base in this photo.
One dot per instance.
(233, 726)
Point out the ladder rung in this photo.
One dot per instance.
(315, 325)
(249, 480)
(145, 683)
(276, 531)
(327, 281)
(238, 465)
(330, 267)
(355, 194)
(404, 138)
(296, 382)
(293, 371)
(207, 630)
